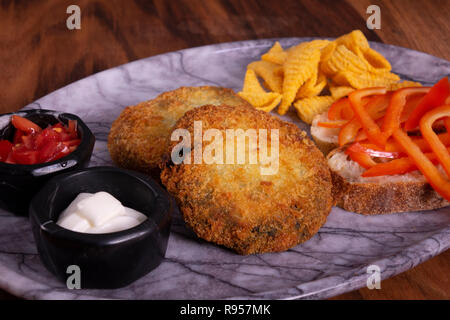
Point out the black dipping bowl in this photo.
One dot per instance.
(109, 260)
(18, 183)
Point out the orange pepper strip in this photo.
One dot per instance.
(434, 98)
(361, 136)
(348, 132)
(363, 159)
(426, 127)
(372, 150)
(395, 109)
(447, 124)
(366, 121)
(340, 109)
(411, 103)
(375, 107)
(396, 166)
(393, 146)
(431, 173)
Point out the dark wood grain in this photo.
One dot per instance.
(429, 280)
(38, 55)
(417, 24)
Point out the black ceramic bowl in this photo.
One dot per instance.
(18, 183)
(110, 260)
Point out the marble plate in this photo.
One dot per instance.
(332, 262)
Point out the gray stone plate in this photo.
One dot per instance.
(334, 261)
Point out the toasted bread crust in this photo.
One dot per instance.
(382, 198)
(324, 146)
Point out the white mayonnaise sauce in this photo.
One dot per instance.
(98, 213)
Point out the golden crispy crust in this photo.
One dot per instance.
(138, 137)
(234, 205)
(383, 198)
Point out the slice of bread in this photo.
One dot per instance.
(326, 139)
(379, 195)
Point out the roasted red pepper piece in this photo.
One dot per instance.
(434, 98)
(392, 118)
(364, 118)
(425, 165)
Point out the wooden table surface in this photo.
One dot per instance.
(38, 55)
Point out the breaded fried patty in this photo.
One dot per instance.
(138, 137)
(235, 205)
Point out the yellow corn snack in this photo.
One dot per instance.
(338, 92)
(300, 65)
(312, 87)
(276, 54)
(254, 94)
(308, 108)
(269, 71)
(364, 80)
(300, 74)
(404, 84)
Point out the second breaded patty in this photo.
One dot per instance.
(137, 139)
(235, 205)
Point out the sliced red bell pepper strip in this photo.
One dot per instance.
(411, 103)
(363, 159)
(447, 124)
(431, 173)
(375, 107)
(348, 132)
(361, 136)
(434, 98)
(426, 128)
(340, 109)
(394, 111)
(392, 145)
(368, 124)
(372, 150)
(396, 166)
